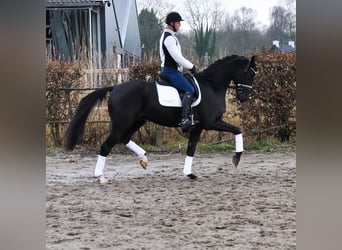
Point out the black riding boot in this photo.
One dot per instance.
(187, 121)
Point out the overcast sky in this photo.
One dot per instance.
(262, 8)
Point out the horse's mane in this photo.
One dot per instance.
(213, 67)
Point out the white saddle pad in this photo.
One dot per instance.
(168, 96)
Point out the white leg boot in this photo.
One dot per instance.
(238, 143)
(187, 168)
(141, 153)
(238, 150)
(99, 168)
(187, 165)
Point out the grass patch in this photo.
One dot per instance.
(266, 145)
(181, 146)
(51, 151)
(215, 148)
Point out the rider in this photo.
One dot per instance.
(172, 65)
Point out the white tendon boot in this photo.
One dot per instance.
(238, 143)
(98, 172)
(141, 153)
(187, 167)
(238, 150)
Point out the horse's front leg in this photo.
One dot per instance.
(220, 125)
(192, 143)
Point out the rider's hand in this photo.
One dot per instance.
(193, 70)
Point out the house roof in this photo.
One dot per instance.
(127, 17)
(287, 48)
(73, 3)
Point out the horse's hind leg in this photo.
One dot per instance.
(105, 149)
(140, 152)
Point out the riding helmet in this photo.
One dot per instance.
(173, 17)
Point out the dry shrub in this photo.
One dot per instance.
(147, 70)
(61, 77)
(272, 110)
(65, 81)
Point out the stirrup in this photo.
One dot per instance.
(193, 122)
(185, 122)
(188, 123)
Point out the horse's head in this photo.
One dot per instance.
(243, 79)
(234, 68)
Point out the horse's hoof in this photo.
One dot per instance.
(236, 159)
(103, 180)
(192, 176)
(143, 162)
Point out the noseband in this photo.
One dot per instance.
(239, 86)
(242, 86)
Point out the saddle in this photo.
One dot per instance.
(169, 96)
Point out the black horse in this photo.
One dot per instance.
(132, 103)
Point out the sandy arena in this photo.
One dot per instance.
(251, 207)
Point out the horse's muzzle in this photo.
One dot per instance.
(242, 97)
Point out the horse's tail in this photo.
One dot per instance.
(76, 126)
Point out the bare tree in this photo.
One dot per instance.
(283, 21)
(243, 19)
(290, 7)
(161, 8)
(204, 17)
(240, 31)
(205, 13)
(279, 23)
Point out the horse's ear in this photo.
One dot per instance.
(252, 63)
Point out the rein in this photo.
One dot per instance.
(243, 86)
(229, 85)
(238, 85)
(255, 72)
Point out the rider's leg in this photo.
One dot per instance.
(186, 118)
(180, 82)
(177, 80)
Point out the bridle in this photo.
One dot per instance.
(242, 86)
(239, 87)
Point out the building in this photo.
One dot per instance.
(285, 48)
(99, 33)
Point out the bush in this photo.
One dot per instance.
(146, 70)
(272, 110)
(61, 77)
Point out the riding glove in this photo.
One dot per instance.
(193, 70)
